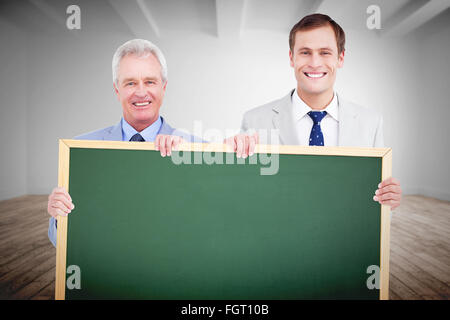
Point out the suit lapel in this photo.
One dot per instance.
(115, 134)
(165, 127)
(284, 122)
(347, 124)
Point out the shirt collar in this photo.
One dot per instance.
(149, 133)
(300, 108)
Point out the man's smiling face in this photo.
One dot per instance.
(315, 60)
(140, 89)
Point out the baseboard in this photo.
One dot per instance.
(427, 192)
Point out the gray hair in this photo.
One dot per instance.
(140, 48)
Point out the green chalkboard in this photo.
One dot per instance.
(146, 228)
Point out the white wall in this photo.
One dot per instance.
(69, 92)
(433, 148)
(13, 115)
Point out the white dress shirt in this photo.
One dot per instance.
(304, 123)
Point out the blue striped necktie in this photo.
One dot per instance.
(316, 136)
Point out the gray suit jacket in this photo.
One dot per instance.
(358, 126)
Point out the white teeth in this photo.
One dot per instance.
(141, 104)
(315, 75)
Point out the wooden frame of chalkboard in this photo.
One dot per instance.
(63, 181)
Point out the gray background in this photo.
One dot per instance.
(224, 57)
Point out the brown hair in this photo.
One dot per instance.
(317, 20)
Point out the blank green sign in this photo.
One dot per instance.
(145, 228)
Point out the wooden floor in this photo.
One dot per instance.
(420, 249)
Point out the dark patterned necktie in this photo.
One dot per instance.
(316, 136)
(137, 137)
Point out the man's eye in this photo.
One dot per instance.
(150, 82)
(130, 83)
(304, 52)
(326, 53)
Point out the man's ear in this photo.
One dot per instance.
(341, 59)
(291, 58)
(116, 90)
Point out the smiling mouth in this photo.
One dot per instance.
(315, 75)
(141, 104)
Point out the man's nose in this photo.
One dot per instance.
(315, 60)
(140, 89)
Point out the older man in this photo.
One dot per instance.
(312, 113)
(139, 78)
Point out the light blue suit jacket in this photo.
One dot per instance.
(114, 133)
